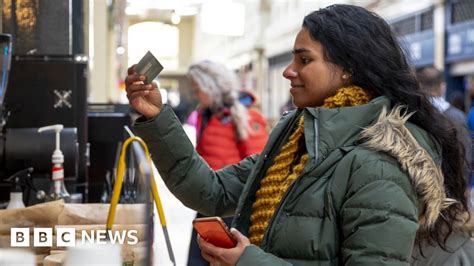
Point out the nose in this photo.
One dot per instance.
(290, 72)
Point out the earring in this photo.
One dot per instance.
(344, 76)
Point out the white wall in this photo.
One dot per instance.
(99, 65)
(390, 10)
(222, 48)
(186, 40)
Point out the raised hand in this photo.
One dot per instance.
(144, 98)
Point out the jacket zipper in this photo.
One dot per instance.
(316, 134)
(290, 188)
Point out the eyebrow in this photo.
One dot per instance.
(300, 50)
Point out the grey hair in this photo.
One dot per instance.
(222, 86)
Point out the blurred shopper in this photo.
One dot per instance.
(431, 80)
(228, 129)
(456, 99)
(354, 176)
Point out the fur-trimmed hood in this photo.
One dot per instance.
(391, 135)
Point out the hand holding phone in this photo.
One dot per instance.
(214, 231)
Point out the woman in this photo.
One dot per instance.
(353, 176)
(227, 131)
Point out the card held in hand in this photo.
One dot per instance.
(149, 66)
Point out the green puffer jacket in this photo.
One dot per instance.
(352, 204)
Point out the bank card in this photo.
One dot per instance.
(149, 66)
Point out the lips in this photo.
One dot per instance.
(295, 87)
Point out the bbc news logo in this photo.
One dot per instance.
(66, 237)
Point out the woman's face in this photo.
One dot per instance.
(203, 98)
(312, 78)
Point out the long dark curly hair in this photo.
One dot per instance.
(363, 44)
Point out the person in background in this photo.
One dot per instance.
(358, 175)
(228, 128)
(456, 99)
(431, 81)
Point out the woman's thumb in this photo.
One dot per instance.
(238, 236)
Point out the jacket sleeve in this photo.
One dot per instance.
(379, 218)
(254, 255)
(185, 173)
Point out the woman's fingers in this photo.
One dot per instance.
(131, 70)
(207, 257)
(133, 78)
(138, 87)
(223, 256)
(154, 85)
(239, 237)
(133, 95)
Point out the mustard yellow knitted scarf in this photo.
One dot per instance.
(285, 170)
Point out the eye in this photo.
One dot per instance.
(304, 60)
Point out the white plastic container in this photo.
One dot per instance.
(16, 201)
(17, 257)
(98, 254)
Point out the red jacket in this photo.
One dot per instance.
(217, 143)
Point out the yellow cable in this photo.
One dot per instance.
(118, 183)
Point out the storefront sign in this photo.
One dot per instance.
(419, 48)
(460, 42)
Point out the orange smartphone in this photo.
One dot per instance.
(214, 231)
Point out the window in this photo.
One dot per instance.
(462, 11)
(159, 38)
(415, 23)
(427, 20)
(405, 26)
